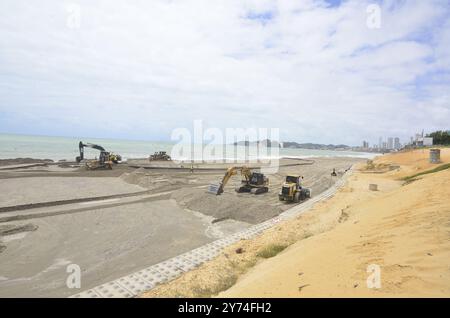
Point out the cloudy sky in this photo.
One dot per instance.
(321, 71)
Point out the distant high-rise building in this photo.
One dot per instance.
(365, 144)
(397, 143)
(380, 143)
(390, 143)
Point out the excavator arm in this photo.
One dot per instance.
(82, 145)
(218, 188)
(105, 160)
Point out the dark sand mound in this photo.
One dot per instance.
(20, 161)
(243, 207)
(10, 229)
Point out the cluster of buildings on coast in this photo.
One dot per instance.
(394, 144)
(389, 144)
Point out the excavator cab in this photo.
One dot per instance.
(257, 178)
(256, 184)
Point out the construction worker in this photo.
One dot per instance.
(334, 174)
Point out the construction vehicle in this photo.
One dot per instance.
(105, 160)
(293, 191)
(252, 182)
(160, 156)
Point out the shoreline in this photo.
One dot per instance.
(65, 148)
(264, 160)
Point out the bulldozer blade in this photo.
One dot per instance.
(214, 189)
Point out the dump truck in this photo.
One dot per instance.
(252, 182)
(293, 191)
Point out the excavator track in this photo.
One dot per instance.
(259, 190)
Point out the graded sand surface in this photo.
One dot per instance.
(403, 228)
(114, 237)
(105, 242)
(19, 191)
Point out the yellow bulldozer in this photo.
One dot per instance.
(293, 191)
(252, 182)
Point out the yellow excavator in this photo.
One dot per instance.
(105, 160)
(252, 182)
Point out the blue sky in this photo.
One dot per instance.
(140, 69)
(333, 3)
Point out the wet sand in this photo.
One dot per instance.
(113, 237)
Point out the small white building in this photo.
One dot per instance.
(428, 141)
(424, 141)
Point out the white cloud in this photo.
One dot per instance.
(142, 68)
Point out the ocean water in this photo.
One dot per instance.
(58, 148)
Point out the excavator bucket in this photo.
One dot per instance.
(214, 189)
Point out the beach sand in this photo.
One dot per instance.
(154, 214)
(402, 229)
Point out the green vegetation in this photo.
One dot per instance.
(440, 137)
(437, 169)
(271, 250)
(223, 283)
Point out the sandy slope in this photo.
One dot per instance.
(404, 230)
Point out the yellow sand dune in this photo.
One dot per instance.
(406, 231)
